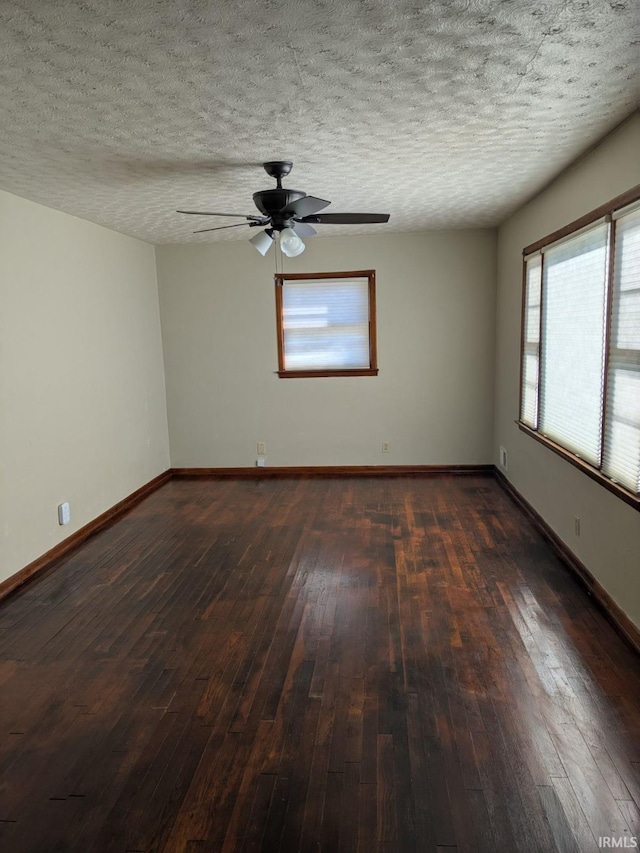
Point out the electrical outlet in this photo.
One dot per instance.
(385, 446)
(261, 462)
(503, 458)
(262, 448)
(64, 513)
(576, 525)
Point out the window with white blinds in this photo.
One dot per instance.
(531, 343)
(326, 324)
(574, 276)
(580, 372)
(621, 453)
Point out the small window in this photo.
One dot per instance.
(580, 372)
(326, 324)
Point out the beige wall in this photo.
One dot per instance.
(433, 398)
(82, 399)
(609, 544)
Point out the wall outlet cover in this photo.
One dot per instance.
(64, 513)
(503, 458)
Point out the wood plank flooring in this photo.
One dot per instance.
(315, 665)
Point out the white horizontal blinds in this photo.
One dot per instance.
(326, 324)
(621, 456)
(573, 332)
(531, 342)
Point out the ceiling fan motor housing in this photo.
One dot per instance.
(271, 202)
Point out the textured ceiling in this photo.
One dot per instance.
(444, 113)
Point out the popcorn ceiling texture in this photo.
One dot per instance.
(444, 113)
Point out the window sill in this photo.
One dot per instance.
(618, 490)
(308, 374)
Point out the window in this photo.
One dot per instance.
(326, 324)
(580, 368)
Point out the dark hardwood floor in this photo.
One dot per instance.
(317, 665)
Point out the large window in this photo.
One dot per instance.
(580, 375)
(326, 324)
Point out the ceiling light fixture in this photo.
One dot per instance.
(290, 243)
(289, 213)
(263, 241)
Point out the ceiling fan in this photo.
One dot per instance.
(288, 214)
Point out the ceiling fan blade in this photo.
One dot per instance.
(302, 229)
(304, 206)
(209, 213)
(346, 218)
(221, 227)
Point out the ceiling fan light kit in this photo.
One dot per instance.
(263, 241)
(288, 213)
(290, 243)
